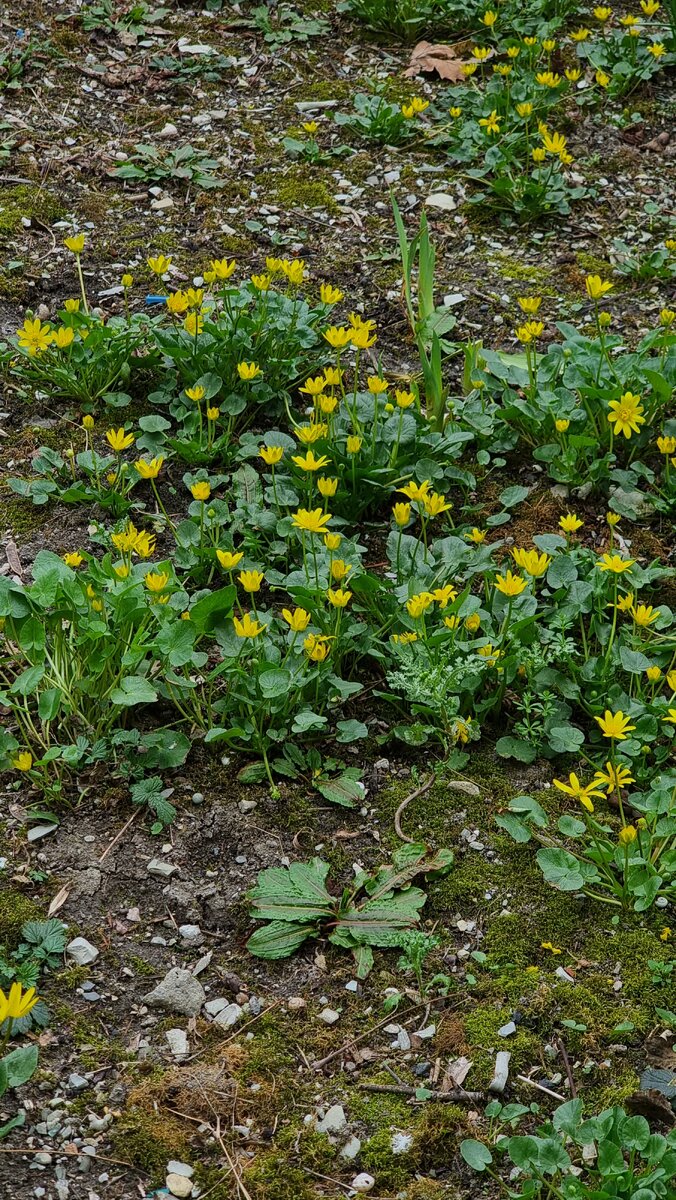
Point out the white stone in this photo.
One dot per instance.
(179, 1185)
(329, 1016)
(179, 992)
(228, 1016)
(180, 1168)
(334, 1121)
(351, 1149)
(401, 1142)
(213, 1007)
(296, 1004)
(81, 951)
(178, 1042)
(363, 1183)
(163, 869)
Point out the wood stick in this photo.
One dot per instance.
(321, 1062)
(458, 1094)
(424, 787)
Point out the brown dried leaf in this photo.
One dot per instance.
(427, 56)
(59, 899)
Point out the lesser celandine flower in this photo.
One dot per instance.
(338, 336)
(645, 615)
(327, 487)
(201, 491)
(223, 269)
(118, 440)
(548, 44)
(561, 425)
(401, 514)
(340, 569)
(579, 791)
(670, 717)
(596, 287)
(229, 559)
(332, 541)
(667, 317)
(671, 680)
(509, 584)
(455, 112)
(271, 454)
(550, 79)
(625, 603)
(570, 523)
(248, 371)
(362, 337)
(17, 1004)
(603, 12)
(416, 491)
(23, 761)
(530, 561)
(614, 563)
(513, 51)
(376, 385)
(650, 7)
(354, 444)
(251, 580)
(626, 414)
(159, 265)
(310, 127)
(405, 639)
(329, 294)
(666, 445)
(73, 559)
(261, 282)
(308, 462)
(316, 647)
(529, 304)
(538, 154)
(436, 504)
(491, 123)
(327, 404)
(127, 280)
(338, 597)
(613, 777)
(481, 53)
(573, 74)
(530, 41)
(298, 620)
(311, 520)
(489, 18)
(627, 835)
(63, 337)
(602, 78)
(75, 244)
(247, 626)
(309, 434)
(404, 399)
(445, 595)
(34, 336)
(613, 519)
(472, 622)
(213, 414)
(580, 35)
(549, 946)
(156, 582)
(615, 725)
(476, 535)
(177, 302)
(653, 674)
(149, 470)
(193, 324)
(332, 376)
(417, 605)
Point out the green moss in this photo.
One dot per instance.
(593, 265)
(15, 910)
(140, 965)
(13, 286)
(27, 200)
(615, 1090)
(296, 189)
(149, 1140)
(481, 1030)
(273, 1178)
(21, 516)
(438, 1133)
(377, 1157)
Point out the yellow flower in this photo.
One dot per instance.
(261, 282)
(17, 1003)
(445, 595)
(529, 332)
(580, 35)
(529, 304)
(468, 69)
(195, 393)
(548, 79)
(627, 835)
(338, 337)
(223, 269)
(118, 440)
(74, 559)
(603, 12)
(489, 654)
(193, 324)
(452, 622)
(554, 143)
(472, 623)
(548, 946)
(417, 605)
(177, 302)
(401, 514)
(613, 777)
(455, 112)
(614, 563)
(510, 585)
(329, 294)
(149, 470)
(530, 561)
(158, 582)
(327, 404)
(489, 18)
(229, 559)
(298, 620)
(625, 603)
(671, 718)
(650, 7)
(530, 41)
(159, 265)
(248, 626)
(578, 791)
(613, 519)
(667, 317)
(491, 123)
(666, 445)
(538, 154)
(340, 569)
(561, 425)
(644, 615)
(653, 674)
(71, 306)
(316, 647)
(121, 570)
(481, 53)
(311, 520)
(353, 444)
(127, 280)
(416, 491)
(477, 536)
(144, 544)
(75, 244)
(339, 597)
(671, 680)
(327, 487)
(309, 434)
(251, 580)
(310, 126)
(665, 933)
(271, 454)
(570, 523)
(200, 491)
(596, 287)
(332, 376)
(22, 762)
(614, 725)
(435, 504)
(34, 336)
(405, 639)
(308, 462)
(602, 79)
(294, 271)
(213, 414)
(63, 337)
(513, 51)
(332, 541)
(362, 337)
(548, 44)
(376, 385)
(573, 74)
(248, 370)
(626, 414)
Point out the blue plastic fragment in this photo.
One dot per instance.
(156, 299)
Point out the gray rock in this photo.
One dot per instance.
(191, 934)
(213, 1007)
(180, 1168)
(77, 1083)
(247, 806)
(178, 1042)
(81, 951)
(179, 992)
(500, 1072)
(329, 1016)
(179, 1185)
(229, 1016)
(165, 870)
(334, 1120)
(363, 1182)
(296, 1004)
(351, 1149)
(507, 1030)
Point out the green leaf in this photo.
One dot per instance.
(20, 1065)
(564, 871)
(634, 1133)
(514, 827)
(212, 609)
(523, 1151)
(344, 791)
(562, 571)
(475, 1154)
(175, 642)
(273, 682)
(512, 747)
(513, 495)
(610, 1160)
(570, 826)
(529, 808)
(565, 739)
(279, 939)
(552, 1157)
(133, 689)
(351, 731)
(633, 661)
(292, 893)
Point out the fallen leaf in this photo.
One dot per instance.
(427, 56)
(59, 899)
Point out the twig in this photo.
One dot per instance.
(424, 787)
(117, 837)
(540, 1087)
(566, 1063)
(404, 1090)
(15, 179)
(321, 1062)
(30, 1150)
